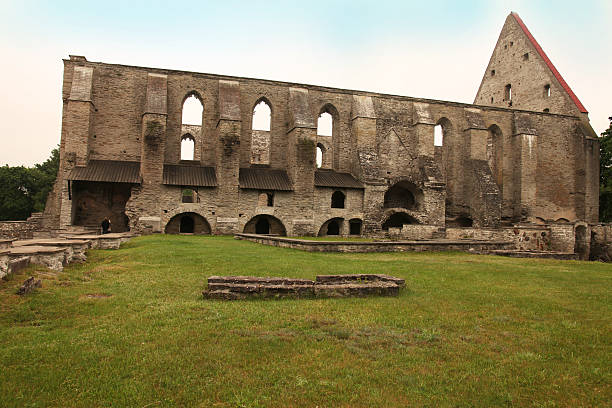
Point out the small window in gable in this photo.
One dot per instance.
(526, 56)
(439, 135)
(270, 199)
(325, 124)
(508, 93)
(547, 91)
(261, 116)
(187, 147)
(492, 72)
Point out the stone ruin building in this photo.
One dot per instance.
(522, 156)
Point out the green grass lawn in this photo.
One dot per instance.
(130, 328)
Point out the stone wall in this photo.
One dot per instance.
(382, 140)
(21, 229)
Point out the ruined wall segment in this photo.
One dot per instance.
(496, 165)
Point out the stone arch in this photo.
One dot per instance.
(397, 219)
(403, 194)
(449, 157)
(195, 94)
(265, 105)
(338, 199)
(495, 154)
(322, 156)
(265, 224)
(331, 110)
(195, 223)
(332, 227)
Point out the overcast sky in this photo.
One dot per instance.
(430, 49)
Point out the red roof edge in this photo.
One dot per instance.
(549, 63)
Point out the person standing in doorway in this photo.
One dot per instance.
(106, 225)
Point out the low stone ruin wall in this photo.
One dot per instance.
(17, 229)
(601, 243)
(243, 287)
(525, 238)
(473, 246)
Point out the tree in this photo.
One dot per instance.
(605, 175)
(24, 190)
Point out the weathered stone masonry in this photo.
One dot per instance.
(121, 141)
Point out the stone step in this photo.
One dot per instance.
(357, 290)
(265, 290)
(536, 254)
(255, 280)
(362, 278)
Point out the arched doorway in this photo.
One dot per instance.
(355, 226)
(331, 227)
(187, 223)
(265, 224)
(403, 194)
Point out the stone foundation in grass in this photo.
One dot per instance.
(359, 285)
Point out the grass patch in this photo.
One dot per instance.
(130, 328)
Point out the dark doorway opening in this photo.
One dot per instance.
(333, 228)
(262, 226)
(187, 225)
(355, 227)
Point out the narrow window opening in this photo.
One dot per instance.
(319, 156)
(187, 147)
(337, 200)
(547, 91)
(526, 56)
(192, 111)
(270, 199)
(492, 72)
(325, 124)
(491, 99)
(261, 116)
(508, 93)
(439, 135)
(189, 196)
(511, 43)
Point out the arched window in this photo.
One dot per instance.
(325, 124)
(438, 135)
(337, 200)
(495, 154)
(192, 111)
(261, 116)
(187, 147)
(402, 195)
(319, 158)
